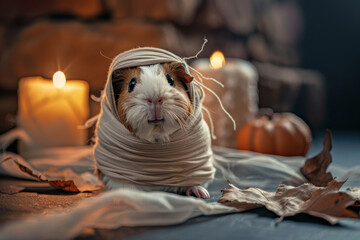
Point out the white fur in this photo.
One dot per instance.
(154, 85)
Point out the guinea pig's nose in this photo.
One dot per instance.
(151, 101)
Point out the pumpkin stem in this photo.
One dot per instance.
(268, 112)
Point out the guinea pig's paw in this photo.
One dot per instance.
(198, 191)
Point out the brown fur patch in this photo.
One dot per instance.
(177, 72)
(123, 77)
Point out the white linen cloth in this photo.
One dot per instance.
(122, 207)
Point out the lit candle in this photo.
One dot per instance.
(50, 112)
(239, 96)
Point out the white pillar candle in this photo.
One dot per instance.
(51, 112)
(239, 96)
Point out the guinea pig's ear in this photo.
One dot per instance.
(180, 72)
(117, 81)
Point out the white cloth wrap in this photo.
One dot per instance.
(186, 160)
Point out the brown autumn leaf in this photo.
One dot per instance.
(323, 202)
(66, 185)
(314, 169)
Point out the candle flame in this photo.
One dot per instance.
(217, 60)
(59, 79)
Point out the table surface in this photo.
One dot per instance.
(255, 224)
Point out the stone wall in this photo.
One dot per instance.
(39, 37)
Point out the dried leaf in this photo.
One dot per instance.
(66, 179)
(324, 202)
(314, 169)
(66, 185)
(330, 204)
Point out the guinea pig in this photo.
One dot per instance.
(153, 102)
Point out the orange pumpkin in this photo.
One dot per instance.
(278, 134)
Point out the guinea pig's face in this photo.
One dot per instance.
(152, 101)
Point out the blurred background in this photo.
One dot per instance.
(304, 51)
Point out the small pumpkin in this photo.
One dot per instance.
(282, 134)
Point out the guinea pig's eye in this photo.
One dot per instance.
(132, 84)
(170, 80)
